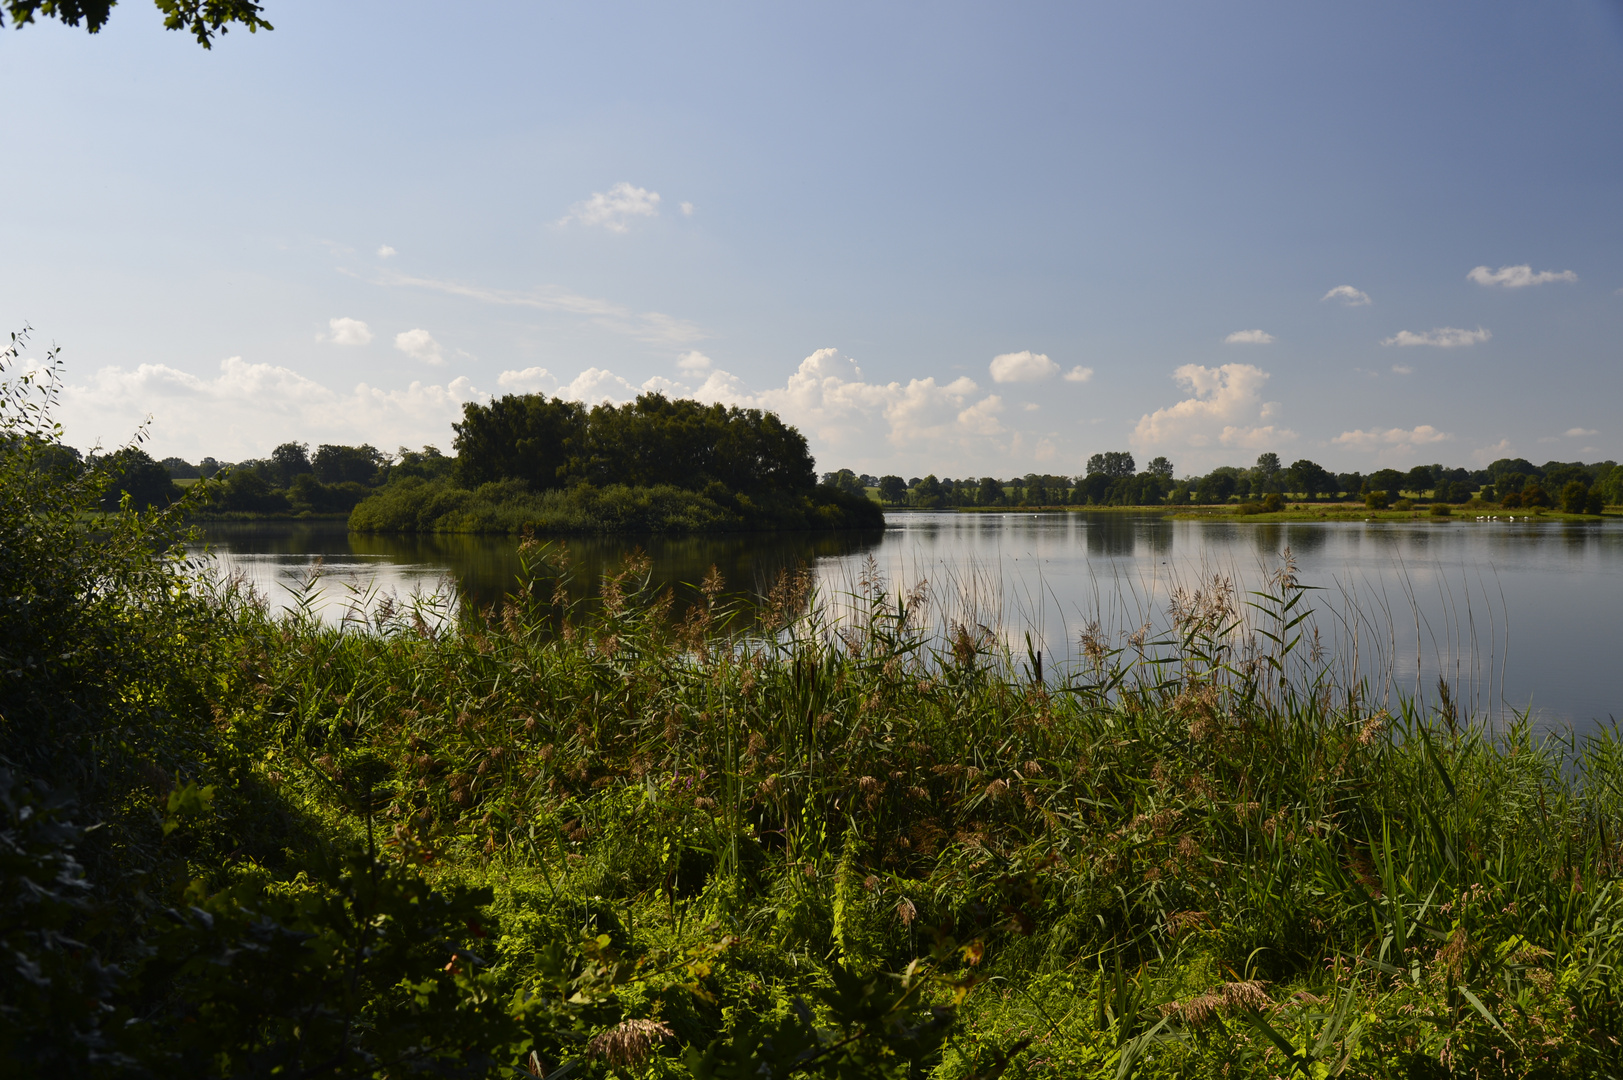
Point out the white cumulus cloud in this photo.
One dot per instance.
(1580, 433)
(385, 252)
(864, 424)
(419, 345)
(693, 361)
(613, 209)
(1024, 366)
(530, 380)
(1400, 440)
(1349, 296)
(345, 331)
(247, 408)
(1443, 337)
(593, 386)
(1224, 409)
(1517, 277)
(687, 209)
(596, 385)
(1078, 374)
(875, 425)
(1250, 337)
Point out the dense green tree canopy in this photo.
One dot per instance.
(1114, 464)
(341, 464)
(1310, 478)
(657, 440)
(1387, 480)
(518, 437)
(551, 443)
(289, 460)
(847, 481)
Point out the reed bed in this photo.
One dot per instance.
(1205, 845)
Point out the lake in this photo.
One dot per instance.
(1520, 615)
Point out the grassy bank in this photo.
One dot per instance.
(1192, 858)
(509, 507)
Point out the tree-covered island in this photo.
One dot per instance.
(530, 463)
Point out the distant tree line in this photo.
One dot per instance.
(728, 453)
(747, 467)
(290, 481)
(1113, 479)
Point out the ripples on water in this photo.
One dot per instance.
(1522, 615)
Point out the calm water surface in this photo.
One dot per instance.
(1523, 615)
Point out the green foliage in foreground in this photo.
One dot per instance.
(1198, 855)
(416, 505)
(543, 841)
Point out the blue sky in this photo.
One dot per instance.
(342, 230)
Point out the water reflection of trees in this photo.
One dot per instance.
(1112, 535)
(486, 567)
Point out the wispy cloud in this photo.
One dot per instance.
(1078, 374)
(1580, 433)
(1349, 296)
(1250, 337)
(687, 209)
(419, 345)
(386, 252)
(613, 209)
(1443, 337)
(652, 327)
(1517, 277)
(1023, 366)
(346, 331)
(1402, 369)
